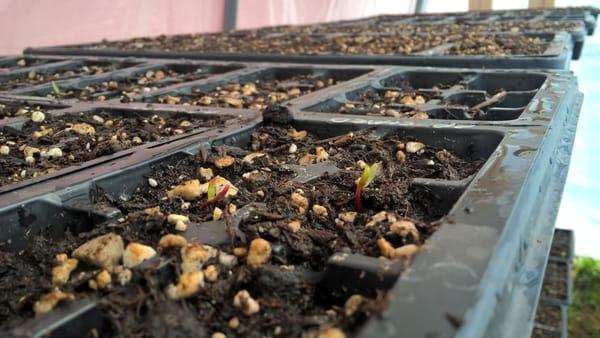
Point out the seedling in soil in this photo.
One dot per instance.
(217, 189)
(365, 179)
(55, 89)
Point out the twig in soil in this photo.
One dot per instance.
(490, 101)
(343, 137)
(229, 227)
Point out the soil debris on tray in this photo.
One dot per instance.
(58, 141)
(254, 95)
(250, 275)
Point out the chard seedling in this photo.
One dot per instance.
(56, 89)
(217, 189)
(366, 178)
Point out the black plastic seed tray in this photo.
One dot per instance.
(557, 55)
(499, 221)
(480, 271)
(551, 321)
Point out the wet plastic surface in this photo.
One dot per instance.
(493, 242)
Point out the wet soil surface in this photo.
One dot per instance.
(40, 148)
(254, 95)
(293, 227)
(555, 281)
(37, 77)
(125, 88)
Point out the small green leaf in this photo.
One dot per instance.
(212, 189)
(368, 175)
(56, 89)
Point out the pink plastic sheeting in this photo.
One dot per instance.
(36, 23)
(258, 13)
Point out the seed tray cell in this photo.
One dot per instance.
(125, 83)
(552, 50)
(15, 108)
(57, 71)
(444, 277)
(257, 88)
(93, 136)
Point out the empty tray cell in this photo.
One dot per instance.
(510, 82)
(8, 64)
(257, 90)
(280, 224)
(499, 45)
(139, 81)
(45, 143)
(62, 71)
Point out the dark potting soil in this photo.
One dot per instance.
(410, 103)
(254, 95)
(307, 44)
(37, 77)
(561, 245)
(125, 88)
(547, 321)
(83, 137)
(555, 281)
(13, 109)
(262, 173)
(499, 45)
